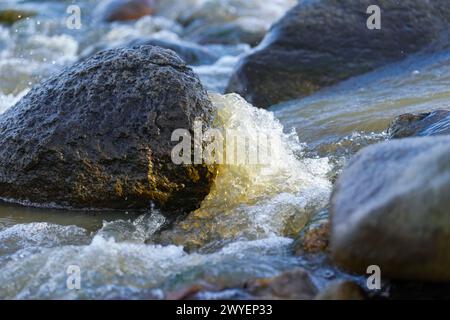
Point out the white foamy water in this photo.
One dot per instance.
(225, 10)
(159, 27)
(41, 234)
(111, 269)
(215, 77)
(8, 100)
(30, 53)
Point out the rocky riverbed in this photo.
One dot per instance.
(358, 121)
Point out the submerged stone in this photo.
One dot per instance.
(10, 16)
(422, 124)
(314, 239)
(295, 284)
(98, 134)
(122, 10)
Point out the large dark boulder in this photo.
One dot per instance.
(391, 208)
(319, 43)
(98, 134)
(422, 124)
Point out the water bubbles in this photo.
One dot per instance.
(9, 100)
(329, 274)
(124, 269)
(255, 201)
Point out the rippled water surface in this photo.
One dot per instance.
(246, 226)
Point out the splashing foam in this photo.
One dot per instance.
(123, 270)
(256, 201)
(158, 27)
(9, 100)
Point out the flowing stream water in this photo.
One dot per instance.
(246, 226)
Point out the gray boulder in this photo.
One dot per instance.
(98, 135)
(319, 43)
(391, 208)
(191, 53)
(422, 124)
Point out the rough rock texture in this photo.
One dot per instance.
(99, 134)
(295, 284)
(319, 43)
(391, 208)
(314, 238)
(122, 10)
(342, 290)
(422, 124)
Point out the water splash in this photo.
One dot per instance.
(215, 77)
(256, 201)
(9, 100)
(113, 270)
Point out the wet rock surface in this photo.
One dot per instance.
(319, 43)
(342, 290)
(10, 16)
(390, 208)
(123, 10)
(314, 239)
(407, 290)
(294, 284)
(98, 134)
(421, 124)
